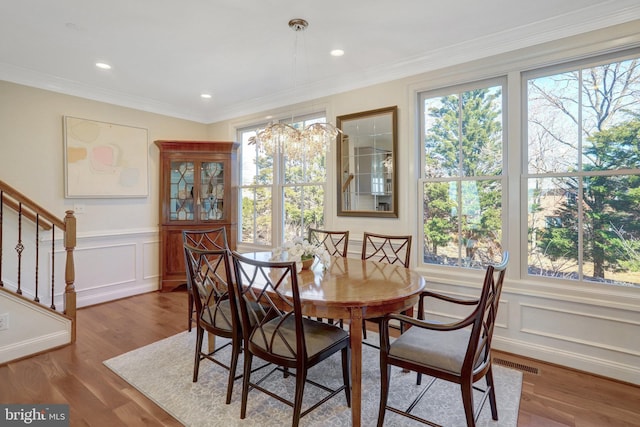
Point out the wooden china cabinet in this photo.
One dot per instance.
(198, 186)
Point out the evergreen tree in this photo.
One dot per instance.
(611, 205)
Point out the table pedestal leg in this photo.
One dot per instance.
(355, 336)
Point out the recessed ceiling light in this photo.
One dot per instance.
(103, 65)
(205, 95)
(337, 52)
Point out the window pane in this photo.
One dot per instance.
(471, 238)
(610, 101)
(481, 222)
(442, 134)
(553, 227)
(304, 208)
(463, 134)
(440, 211)
(304, 163)
(257, 166)
(304, 167)
(611, 229)
(482, 132)
(553, 123)
(256, 215)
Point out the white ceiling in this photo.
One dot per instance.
(165, 53)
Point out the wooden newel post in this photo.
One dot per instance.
(69, 271)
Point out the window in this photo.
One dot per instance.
(281, 193)
(583, 171)
(462, 181)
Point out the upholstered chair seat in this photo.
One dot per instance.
(435, 349)
(317, 336)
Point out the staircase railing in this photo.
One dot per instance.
(44, 222)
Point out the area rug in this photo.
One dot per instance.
(163, 372)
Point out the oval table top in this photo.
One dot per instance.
(353, 283)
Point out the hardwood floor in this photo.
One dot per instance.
(553, 396)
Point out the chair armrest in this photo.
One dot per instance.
(431, 294)
(428, 325)
(442, 297)
(384, 326)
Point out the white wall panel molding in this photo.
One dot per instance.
(103, 234)
(582, 327)
(118, 233)
(115, 266)
(105, 265)
(150, 256)
(618, 297)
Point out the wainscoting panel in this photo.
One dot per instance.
(150, 257)
(109, 267)
(582, 328)
(105, 265)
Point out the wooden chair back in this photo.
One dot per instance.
(215, 238)
(335, 242)
(210, 282)
(387, 248)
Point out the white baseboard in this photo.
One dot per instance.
(20, 349)
(85, 299)
(581, 362)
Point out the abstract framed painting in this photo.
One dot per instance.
(104, 160)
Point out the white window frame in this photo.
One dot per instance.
(277, 186)
(444, 91)
(558, 68)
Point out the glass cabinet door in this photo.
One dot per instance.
(181, 188)
(197, 191)
(211, 191)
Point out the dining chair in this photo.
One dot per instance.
(459, 352)
(210, 282)
(275, 330)
(391, 249)
(215, 238)
(335, 242)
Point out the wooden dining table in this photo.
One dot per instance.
(355, 290)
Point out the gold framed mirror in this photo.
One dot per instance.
(366, 159)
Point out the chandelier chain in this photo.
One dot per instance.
(279, 137)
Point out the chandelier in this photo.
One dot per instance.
(279, 137)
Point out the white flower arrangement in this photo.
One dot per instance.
(299, 250)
